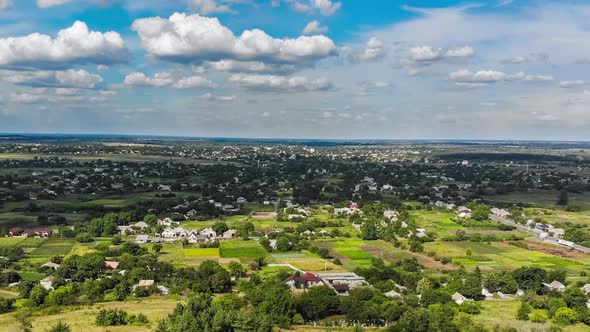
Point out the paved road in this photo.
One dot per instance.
(536, 232)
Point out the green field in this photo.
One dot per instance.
(54, 247)
(201, 252)
(504, 313)
(241, 249)
(503, 256)
(10, 241)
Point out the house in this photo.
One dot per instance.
(140, 239)
(348, 278)
(111, 265)
(500, 212)
(125, 230)
(392, 294)
(458, 298)
(51, 265)
(143, 283)
(47, 283)
(464, 212)
(209, 232)
(167, 222)
(586, 288)
(140, 225)
(555, 286)
(341, 289)
(162, 290)
(195, 237)
(305, 281)
(230, 234)
(39, 232)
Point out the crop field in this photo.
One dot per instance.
(437, 221)
(10, 241)
(82, 318)
(201, 252)
(241, 249)
(504, 313)
(503, 256)
(54, 247)
(31, 242)
(541, 198)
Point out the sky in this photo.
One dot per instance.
(348, 69)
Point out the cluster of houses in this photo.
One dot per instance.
(351, 209)
(29, 232)
(341, 283)
(192, 236)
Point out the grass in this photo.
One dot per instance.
(10, 241)
(31, 276)
(201, 252)
(54, 247)
(241, 249)
(503, 313)
(503, 256)
(82, 318)
(541, 198)
(32, 242)
(438, 222)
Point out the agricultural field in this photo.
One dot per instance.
(82, 318)
(439, 222)
(541, 198)
(504, 256)
(504, 313)
(241, 249)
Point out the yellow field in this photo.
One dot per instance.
(81, 319)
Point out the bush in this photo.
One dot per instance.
(84, 238)
(111, 317)
(565, 316)
(538, 316)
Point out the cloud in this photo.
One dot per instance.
(460, 52)
(502, 3)
(193, 38)
(279, 83)
(67, 91)
(5, 4)
(166, 79)
(425, 53)
(102, 68)
(326, 7)
(251, 67)
(46, 78)
(52, 3)
(373, 50)
(27, 98)
(481, 78)
(73, 45)
(211, 97)
(313, 28)
(209, 7)
(571, 84)
(192, 82)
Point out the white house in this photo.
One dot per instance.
(140, 239)
(209, 232)
(458, 298)
(555, 285)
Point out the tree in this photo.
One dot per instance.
(37, 296)
(480, 212)
(565, 316)
(574, 297)
(24, 320)
(318, 302)
(265, 243)
(245, 230)
(562, 198)
(523, 311)
(220, 227)
(472, 287)
(369, 231)
(236, 269)
(60, 327)
(157, 247)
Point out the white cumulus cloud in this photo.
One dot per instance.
(314, 28)
(72, 45)
(188, 38)
(166, 79)
(209, 6)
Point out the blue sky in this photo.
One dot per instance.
(495, 69)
